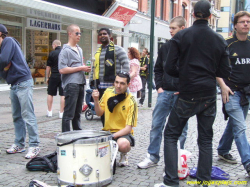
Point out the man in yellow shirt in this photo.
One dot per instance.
(120, 110)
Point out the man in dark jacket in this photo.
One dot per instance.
(167, 87)
(14, 69)
(54, 79)
(197, 55)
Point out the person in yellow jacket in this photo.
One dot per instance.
(120, 110)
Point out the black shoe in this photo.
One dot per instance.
(229, 158)
(248, 169)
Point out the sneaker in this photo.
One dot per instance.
(49, 113)
(33, 152)
(146, 163)
(248, 112)
(15, 149)
(228, 158)
(161, 185)
(123, 160)
(140, 105)
(60, 115)
(248, 169)
(84, 108)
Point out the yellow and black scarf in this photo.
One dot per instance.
(109, 63)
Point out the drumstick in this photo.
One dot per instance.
(94, 75)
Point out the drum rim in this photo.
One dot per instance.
(105, 138)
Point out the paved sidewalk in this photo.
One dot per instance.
(14, 174)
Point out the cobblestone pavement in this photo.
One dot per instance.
(14, 174)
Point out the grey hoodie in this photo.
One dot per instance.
(69, 58)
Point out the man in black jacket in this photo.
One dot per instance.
(197, 55)
(167, 87)
(54, 79)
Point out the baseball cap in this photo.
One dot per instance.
(3, 29)
(202, 9)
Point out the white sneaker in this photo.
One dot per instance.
(161, 185)
(146, 163)
(15, 149)
(49, 113)
(33, 152)
(60, 115)
(123, 160)
(248, 111)
(140, 105)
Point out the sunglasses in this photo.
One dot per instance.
(78, 33)
(124, 73)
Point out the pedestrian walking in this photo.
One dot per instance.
(235, 93)
(197, 55)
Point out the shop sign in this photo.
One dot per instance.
(42, 14)
(123, 14)
(44, 25)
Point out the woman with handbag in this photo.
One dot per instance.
(135, 81)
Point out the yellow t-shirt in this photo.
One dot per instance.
(124, 113)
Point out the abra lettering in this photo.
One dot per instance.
(242, 61)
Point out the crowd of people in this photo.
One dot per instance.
(186, 73)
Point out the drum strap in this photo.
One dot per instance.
(74, 140)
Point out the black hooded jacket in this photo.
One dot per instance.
(162, 79)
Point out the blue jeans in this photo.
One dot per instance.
(204, 107)
(144, 81)
(23, 114)
(73, 106)
(235, 129)
(164, 104)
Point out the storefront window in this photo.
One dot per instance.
(139, 41)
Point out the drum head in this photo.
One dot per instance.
(84, 136)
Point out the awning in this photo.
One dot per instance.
(68, 15)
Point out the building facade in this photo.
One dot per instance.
(228, 10)
(35, 24)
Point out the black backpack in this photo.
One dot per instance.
(46, 163)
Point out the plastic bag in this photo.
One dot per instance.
(216, 174)
(183, 156)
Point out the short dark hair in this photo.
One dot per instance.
(124, 74)
(105, 29)
(239, 15)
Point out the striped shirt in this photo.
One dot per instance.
(122, 64)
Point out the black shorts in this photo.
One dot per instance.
(130, 138)
(54, 83)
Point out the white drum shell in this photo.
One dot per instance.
(94, 152)
(84, 154)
